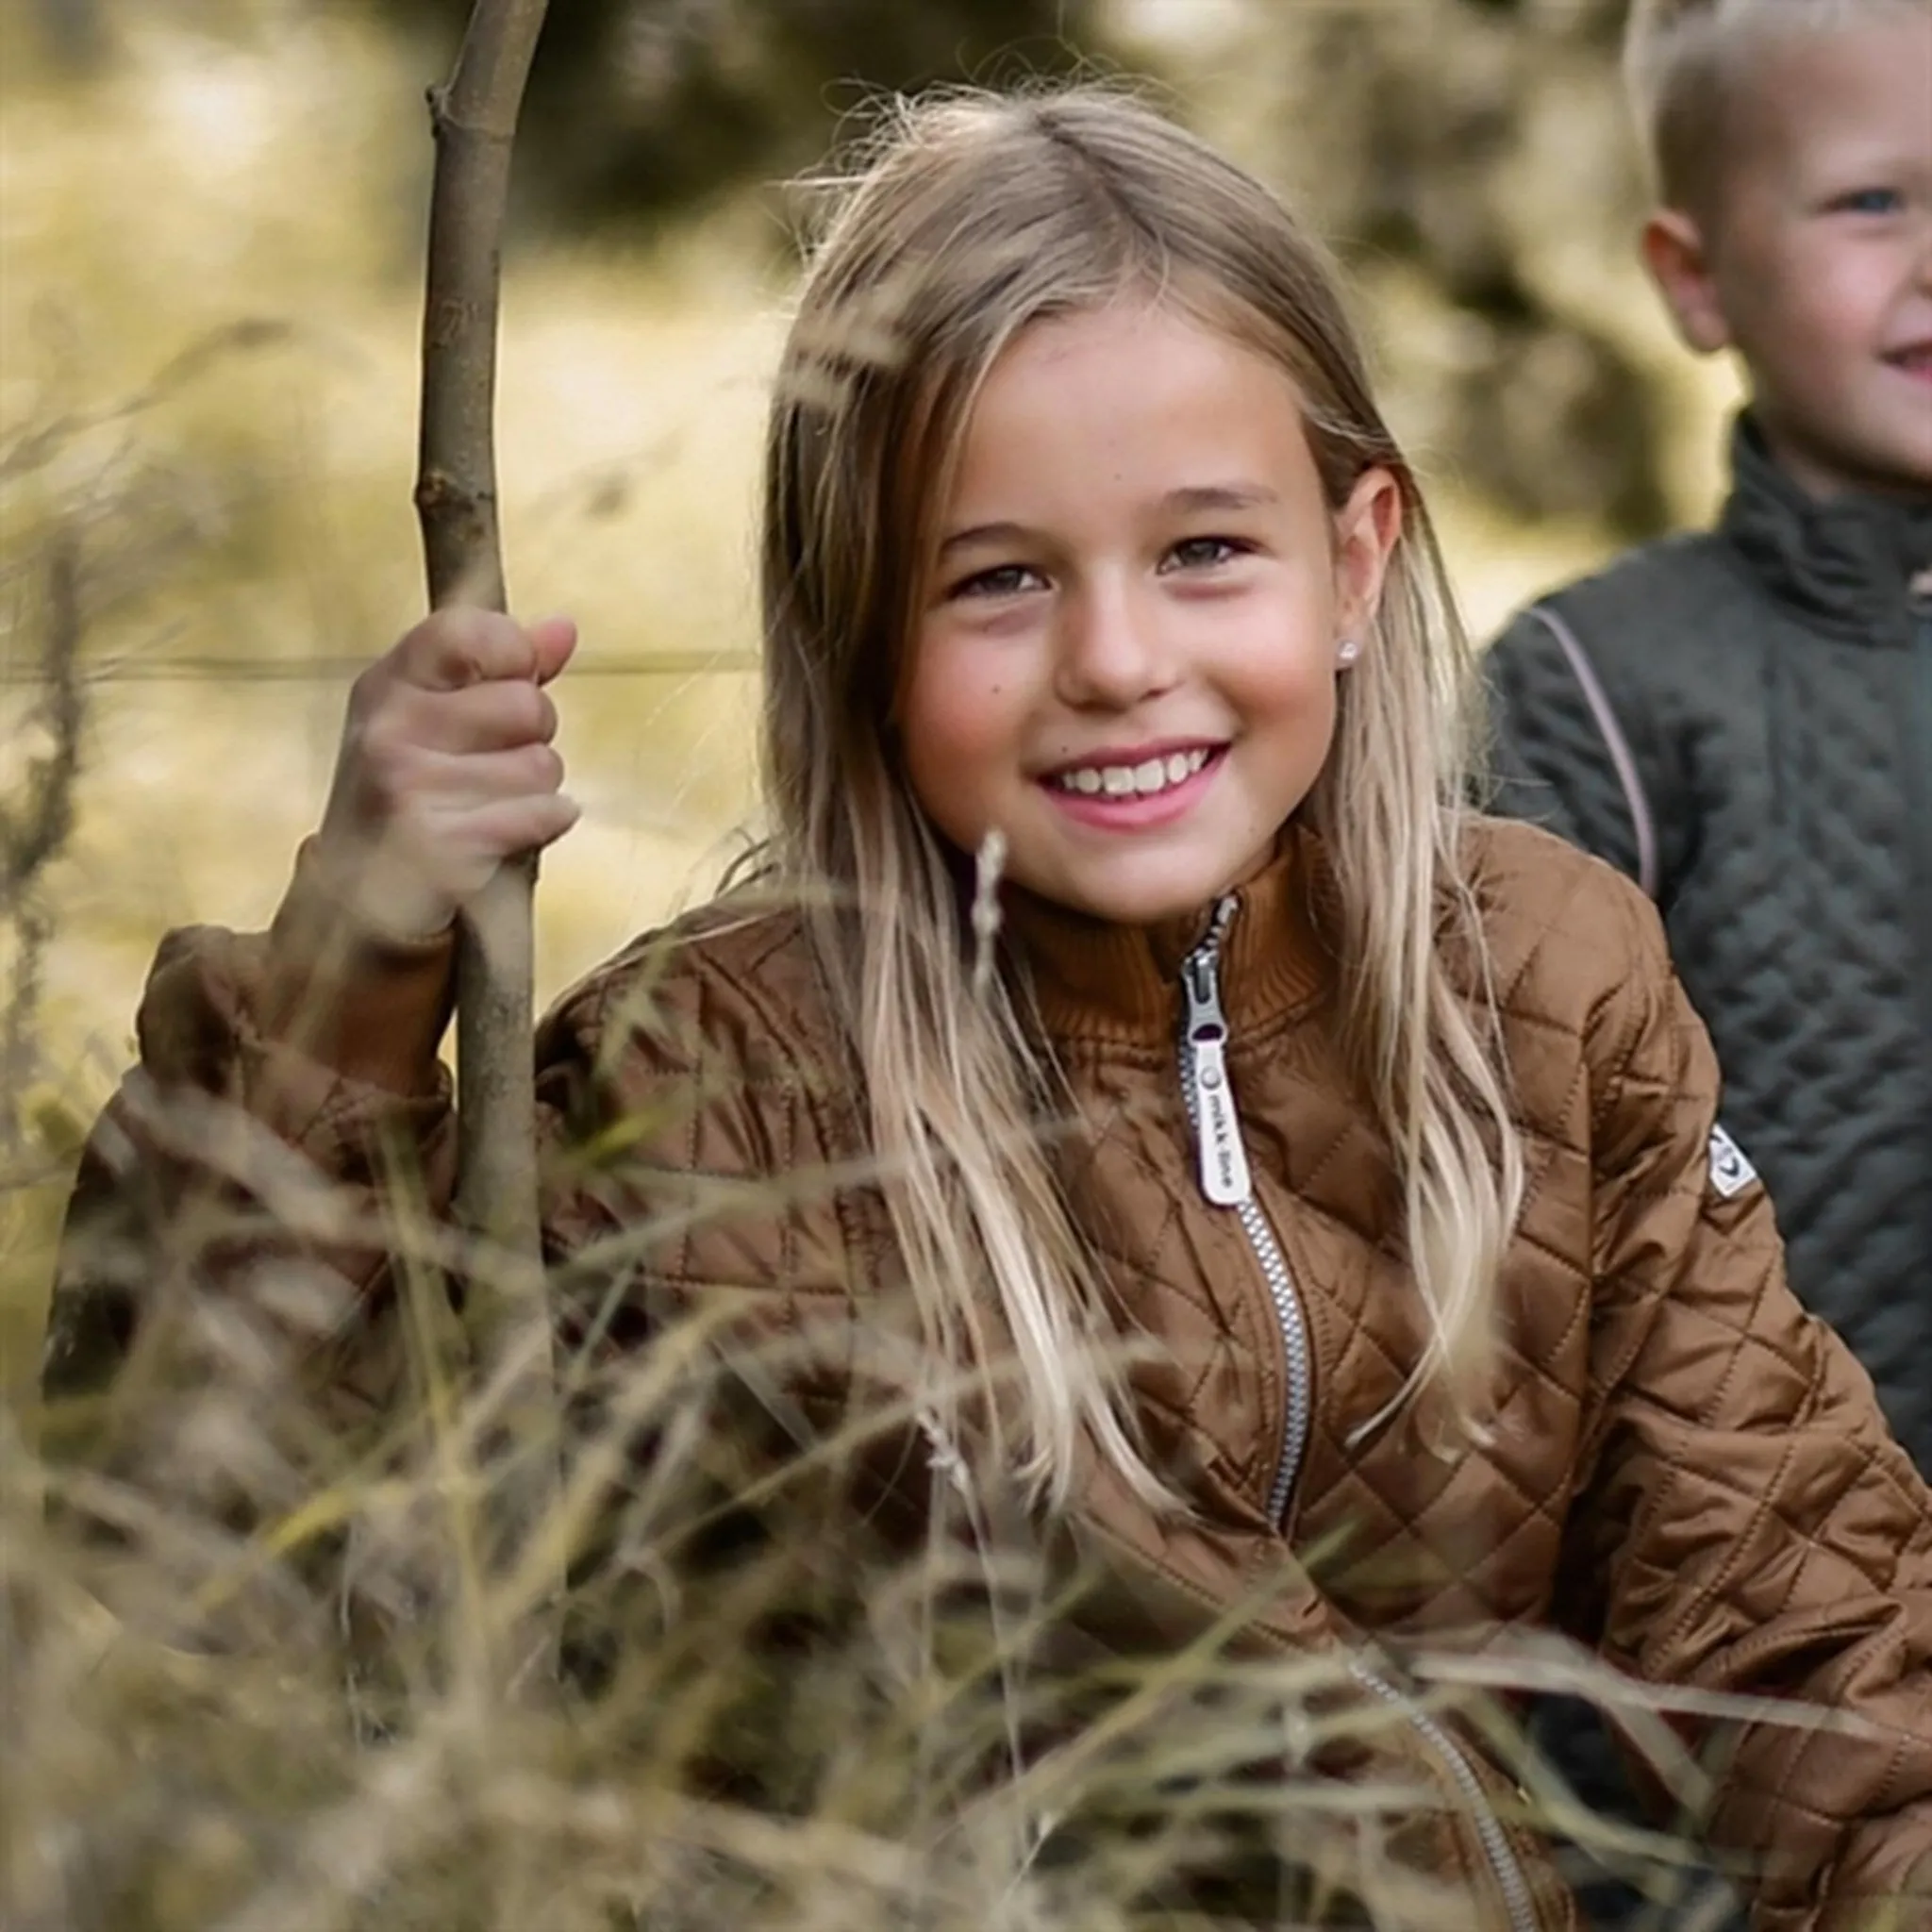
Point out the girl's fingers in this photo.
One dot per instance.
(498, 716)
(526, 825)
(453, 649)
(414, 879)
(476, 839)
(445, 782)
(555, 641)
(445, 768)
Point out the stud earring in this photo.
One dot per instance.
(1347, 651)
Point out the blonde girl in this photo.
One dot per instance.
(1131, 1057)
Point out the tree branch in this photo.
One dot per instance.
(473, 118)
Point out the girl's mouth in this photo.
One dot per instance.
(1147, 780)
(1128, 796)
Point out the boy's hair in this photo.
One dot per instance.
(976, 217)
(1684, 61)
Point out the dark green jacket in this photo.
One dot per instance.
(1742, 720)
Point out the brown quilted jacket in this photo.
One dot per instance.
(1686, 1471)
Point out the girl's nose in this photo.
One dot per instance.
(1113, 650)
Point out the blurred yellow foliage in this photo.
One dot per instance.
(253, 206)
(210, 289)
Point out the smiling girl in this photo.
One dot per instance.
(1131, 1055)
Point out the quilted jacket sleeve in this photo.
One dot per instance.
(221, 1288)
(1751, 1525)
(249, 1198)
(1570, 750)
(695, 1164)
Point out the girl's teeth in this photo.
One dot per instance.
(1126, 781)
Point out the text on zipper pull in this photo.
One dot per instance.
(1225, 1177)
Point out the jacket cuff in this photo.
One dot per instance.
(371, 1007)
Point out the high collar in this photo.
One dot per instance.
(1095, 980)
(1848, 562)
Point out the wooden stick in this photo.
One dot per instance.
(473, 118)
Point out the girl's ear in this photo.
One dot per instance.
(1367, 528)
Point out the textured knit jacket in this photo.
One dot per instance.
(1742, 720)
(1685, 1470)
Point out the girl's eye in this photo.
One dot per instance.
(1204, 553)
(1868, 201)
(1003, 581)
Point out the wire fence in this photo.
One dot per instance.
(322, 670)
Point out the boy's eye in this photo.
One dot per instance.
(1204, 553)
(1868, 201)
(1003, 581)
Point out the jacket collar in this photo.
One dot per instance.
(1847, 563)
(1096, 981)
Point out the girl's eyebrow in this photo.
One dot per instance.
(1229, 496)
(985, 533)
(1189, 498)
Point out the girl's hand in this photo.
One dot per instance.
(446, 768)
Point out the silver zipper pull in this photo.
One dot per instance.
(1225, 1177)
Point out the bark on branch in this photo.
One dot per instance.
(474, 118)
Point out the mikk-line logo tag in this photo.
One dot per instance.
(1730, 1173)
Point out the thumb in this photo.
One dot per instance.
(554, 639)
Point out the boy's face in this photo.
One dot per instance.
(1814, 259)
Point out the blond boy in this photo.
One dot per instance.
(1742, 717)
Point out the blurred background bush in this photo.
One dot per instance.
(211, 219)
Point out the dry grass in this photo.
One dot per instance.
(266, 1648)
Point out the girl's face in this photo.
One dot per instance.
(1128, 645)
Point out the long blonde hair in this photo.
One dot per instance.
(974, 217)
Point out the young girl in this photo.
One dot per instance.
(1309, 1191)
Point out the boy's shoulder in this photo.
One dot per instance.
(1639, 609)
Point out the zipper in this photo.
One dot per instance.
(1226, 1181)
(1505, 1866)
